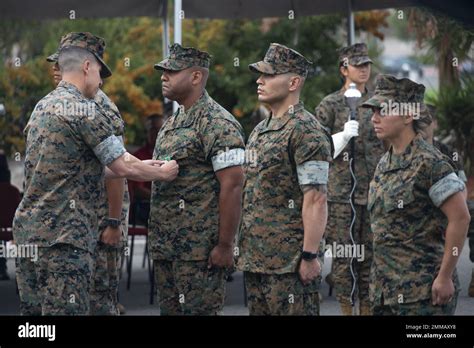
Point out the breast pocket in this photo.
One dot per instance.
(270, 159)
(399, 199)
(183, 157)
(180, 154)
(273, 181)
(180, 143)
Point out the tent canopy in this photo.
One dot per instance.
(55, 9)
(251, 9)
(50, 9)
(228, 9)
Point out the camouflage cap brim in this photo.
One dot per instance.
(173, 65)
(105, 71)
(53, 58)
(375, 101)
(169, 64)
(355, 61)
(263, 68)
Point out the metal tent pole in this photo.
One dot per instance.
(350, 24)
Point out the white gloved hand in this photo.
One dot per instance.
(341, 139)
(351, 129)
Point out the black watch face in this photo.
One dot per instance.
(113, 223)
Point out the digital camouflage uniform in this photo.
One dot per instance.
(68, 143)
(292, 151)
(184, 213)
(454, 157)
(457, 163)
(107, 259)
(408, 225)
(333, 113)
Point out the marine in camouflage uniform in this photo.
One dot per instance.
(333, 113)
(457, 163)
(405, 197)
(293, 152)
(107, 258)
(66, 151)
(184, 223)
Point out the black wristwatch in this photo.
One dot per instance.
(308, 256)
(113, 222)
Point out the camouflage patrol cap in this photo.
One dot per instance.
(280, 59)
(356, 54)
(390, 91)
(181, 58)
(389, 88)
(94, 44)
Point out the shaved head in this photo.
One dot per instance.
(204, 72)
(81, 68)
(300, 80)
(71, 59)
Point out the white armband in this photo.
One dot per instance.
(445, 188)
(230, 158)
(313, 173)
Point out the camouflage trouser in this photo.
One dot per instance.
(281, 294)
(189, 287)
(424, 307)
(105, 280)
(57, 283)
(337, 231)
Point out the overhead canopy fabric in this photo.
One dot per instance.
(279, 8)
(461, 10)
(55, 9)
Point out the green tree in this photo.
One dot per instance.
(134, 45)
(455, 110)
(446, 39)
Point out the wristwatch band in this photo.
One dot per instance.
(113, 222)
(306, 255)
